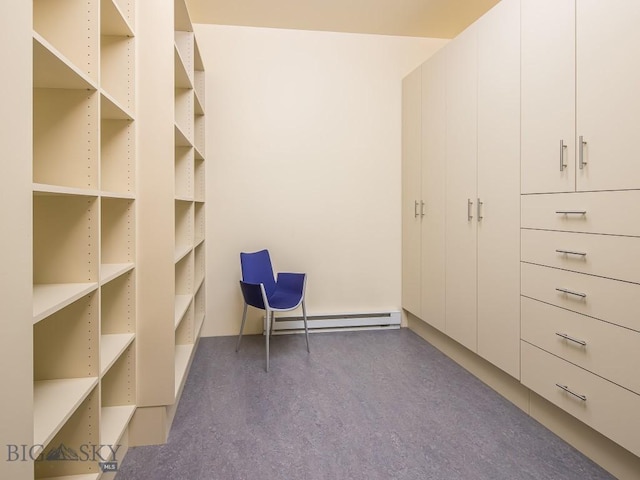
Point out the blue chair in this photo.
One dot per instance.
(261, 290)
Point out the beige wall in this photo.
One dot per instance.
(303, 157)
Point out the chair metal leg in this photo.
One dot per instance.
(244, 317)
(306, 329)
(273, 320)
(268, 334)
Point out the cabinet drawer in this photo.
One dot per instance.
(604, 255)
(609, 351)
(608, 408)
(615, 213)
(610, 300)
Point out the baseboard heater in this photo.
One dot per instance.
(338, 322)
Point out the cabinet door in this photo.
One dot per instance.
(498, 186)
(608, 78)
(461, 146)
(411, 152)
(548, 96)
(433, 191)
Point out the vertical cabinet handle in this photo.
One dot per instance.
(415, 209)
(581, 144)
(562, 147)
(469, 206)
(421, 209)
(480, 217)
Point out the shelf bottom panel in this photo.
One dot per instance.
(113, 423)
(51, 297)
(54, 401)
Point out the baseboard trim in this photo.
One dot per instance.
(609, 455)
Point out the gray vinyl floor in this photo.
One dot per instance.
(363, 405)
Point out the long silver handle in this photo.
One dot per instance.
(570, 252)
(562, 147)
(571, 292)
(480, 217)
(421, 209)
(568, 390)
(469, 205)
(571, 212)
(571, 339)
(581, 144)
(415, 209)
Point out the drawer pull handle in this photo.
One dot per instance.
(568, 390)
(571, 212)
(571, 292)
(469, 205)
(415, 209)
(571, 339)
(571, 252)
(421, 209)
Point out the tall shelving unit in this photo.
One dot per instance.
(171, 199)
(16, 309)
(84, 203)
(189, 193)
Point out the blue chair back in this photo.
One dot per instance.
(257, 268)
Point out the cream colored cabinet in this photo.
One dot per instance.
(498, 207)
(469, 205)
(411, 191)
(579, 118)
(461, 193)
(548, 95)
(608, 408)
(423, 236)
(433, 190)
(172, 212)
(607, 79)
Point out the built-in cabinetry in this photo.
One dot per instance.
(171, 210)
(540, 231)
(580, 249)
(189, 191)
(106, 204)
(579, 120)
(16, 179)
(463, 275)
(84, 229)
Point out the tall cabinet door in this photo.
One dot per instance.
(548, 96)
(411, 191)
(433, 190)
(608, 79)
(461, 135)
(498, 186)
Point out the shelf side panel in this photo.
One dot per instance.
(65, 344)
(65, 137)
(117, 156)
(65, 239)
(119, 305)
(73, 442)
(119, 383)
(118, 231)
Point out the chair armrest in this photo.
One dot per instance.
(292, 282)
(252, 293)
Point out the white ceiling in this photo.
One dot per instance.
(414, 18)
